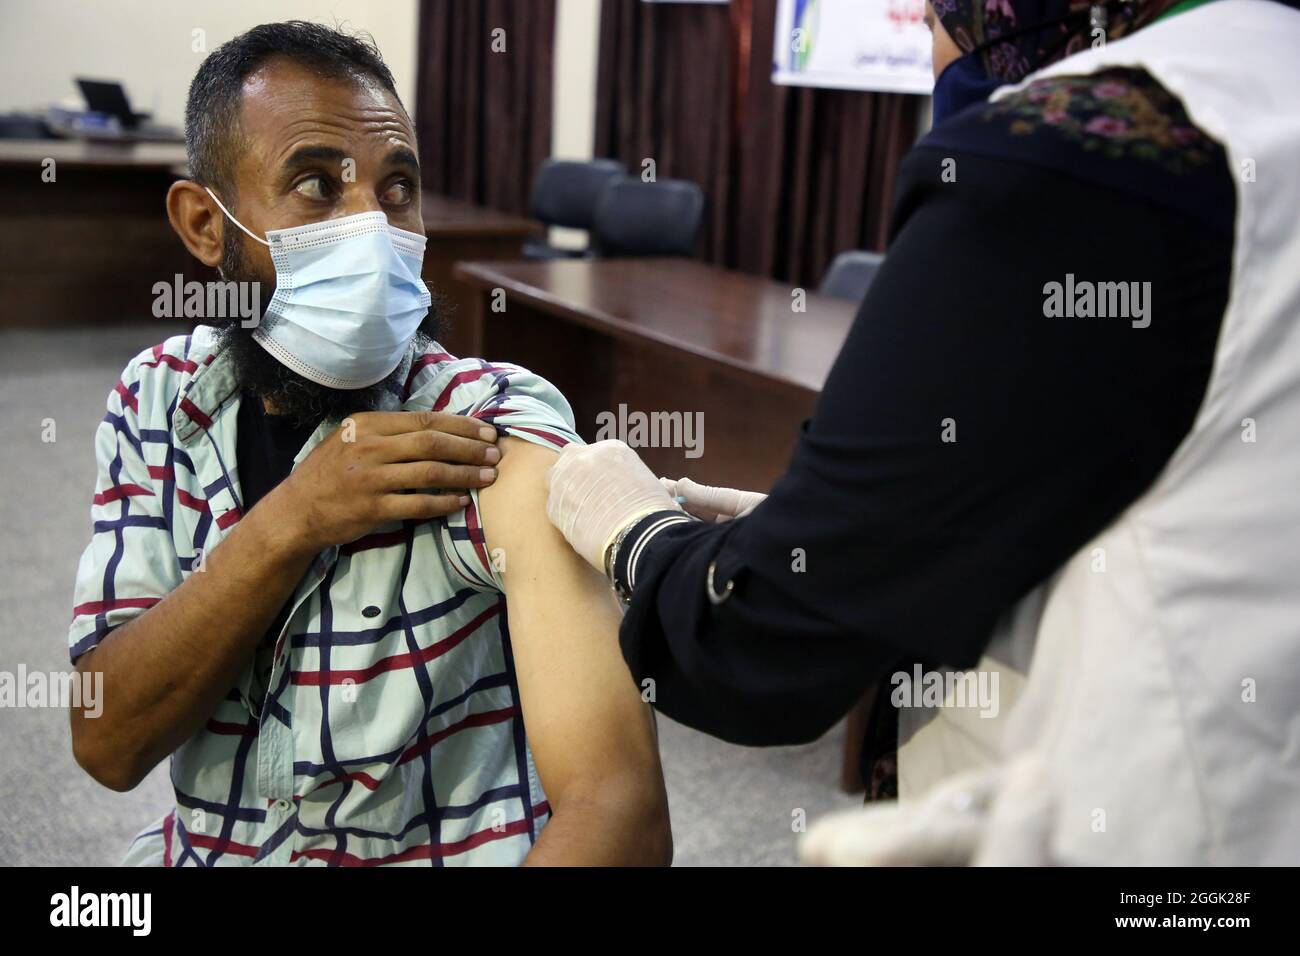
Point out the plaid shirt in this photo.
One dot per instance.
(391, 731)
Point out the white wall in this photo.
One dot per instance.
(148, 44)
(573, 118)
(577, 53)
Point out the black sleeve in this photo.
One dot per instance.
(965, 445)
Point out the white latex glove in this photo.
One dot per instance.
(942, 828)
(712, 504)
(1021, 820)
(595, 491)
(991, 816)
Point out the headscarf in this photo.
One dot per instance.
(1067, 29)
(1116, 127)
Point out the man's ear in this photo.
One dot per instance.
(197, 220)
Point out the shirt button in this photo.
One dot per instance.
(371, 611)
(282, 805)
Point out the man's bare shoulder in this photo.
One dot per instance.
(514, 506)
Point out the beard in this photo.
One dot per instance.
(280, 387)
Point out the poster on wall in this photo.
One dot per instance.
(881, 45)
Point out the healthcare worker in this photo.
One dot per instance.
(1068, 412)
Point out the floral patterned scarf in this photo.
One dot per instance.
(1039, 32)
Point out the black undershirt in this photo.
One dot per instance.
(265, 446)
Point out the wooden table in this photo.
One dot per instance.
(460, 230)
(667, 335)
(83, 154)
(89, 246)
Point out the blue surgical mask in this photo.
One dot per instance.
(348, 298)
(962, 82)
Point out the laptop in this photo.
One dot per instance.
(105, 96)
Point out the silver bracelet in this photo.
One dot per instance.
(611, 563)
(611, 555)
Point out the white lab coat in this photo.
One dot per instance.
(1160, 719)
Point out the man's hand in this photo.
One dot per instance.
(378, 467)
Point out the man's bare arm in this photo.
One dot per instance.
(592, 737)
(165, 671)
